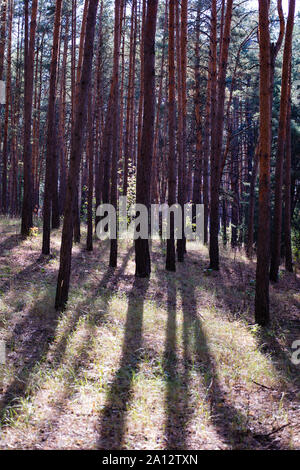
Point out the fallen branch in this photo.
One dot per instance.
(263, 386)
(272, 432)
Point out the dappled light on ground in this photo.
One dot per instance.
(175, 362)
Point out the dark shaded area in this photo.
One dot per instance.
(112, 424)
(10, 243)
(234, 279)
(232, 424)
(177, 384)
(96, 318)
(104, 289)
(33, 335)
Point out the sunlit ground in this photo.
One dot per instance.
(174, 362)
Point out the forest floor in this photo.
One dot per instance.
(174, 362)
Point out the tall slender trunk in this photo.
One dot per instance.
(28, 96)
(75, 157)
(144, 165)
(217, 138)
(76, 208)
(51, 160)
(197, 188)
(14, 150)
(2, 35)
(119, 5)
(99, 120)
(214, 168)
(274, 49)
(2, 50)
(250, 239)
(7, 107)
(182, 76)
(128, 154)
(36, 121)
(262, 314)
(206, 146)
(287, 190)
(155, 164)
(284, 100)
(171, 261)
(62, 123)
(234, 175)
(141, 97)
(90, 159)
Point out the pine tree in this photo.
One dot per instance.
(63, 281)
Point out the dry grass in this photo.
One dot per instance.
(171, 363)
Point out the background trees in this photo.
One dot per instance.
(174, 115)
(29, 52)
(51, 194)
(282, 139)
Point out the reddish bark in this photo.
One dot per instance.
(171, 261)
(284, 100)
(144, 165)
(29, 49)
(262, 314)
(51, 159)
(75, 157)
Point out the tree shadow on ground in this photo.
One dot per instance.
(56, 351)
(234, 289)
(230, 423)
(26, 274)
(176, 399)
(33, 335)
(10, 243)
(112, 423)
(104, 289)
(226, 418)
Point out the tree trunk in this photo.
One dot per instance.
(171, 261)
(51, 136)
(2, 35)
(116, 126)
(214, 196)
(28, 96)
(90, 158)
(7, 107)
(182, 111)
(128, 154)
(197, 188)
(143, 182)
(217, 138)
(277, 220)
(262, 314)
(287, 191)
(75, 157)
(141, 97)
(250, 239)
(76, 221)
(62, 124)
(155, 162)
